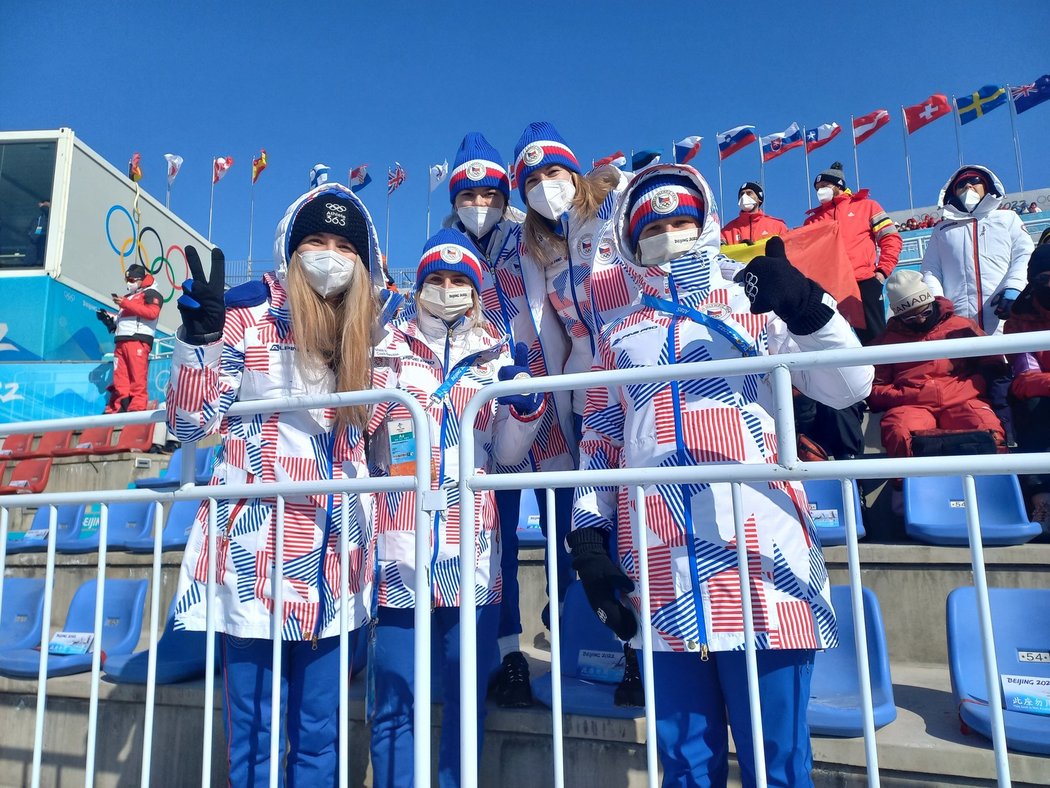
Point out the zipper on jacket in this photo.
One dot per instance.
(572, 291)
(977, 279)
(441, 466)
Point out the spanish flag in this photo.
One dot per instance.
(258, 164)
(135, 168)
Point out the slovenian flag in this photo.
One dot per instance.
(729, 142)
(781, 142)
(359, 178)
(821, 135)
(686, 149)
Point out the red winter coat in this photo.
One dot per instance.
(754, 226)
(937, 383)
(1031, 370)
(865, 230)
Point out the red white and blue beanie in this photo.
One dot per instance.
(477, 166)
(540, 146)
(662, 196)
(450, 250)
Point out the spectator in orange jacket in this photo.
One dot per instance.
(941, 393)
(870, 237)
(752, 224)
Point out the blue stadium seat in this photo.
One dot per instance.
(171, 477)
(121, 625)
(23, 613)
(178, 521)
(127, 521)
(828, 510)
(180, 657)
(935, 512)
(834, 696)
(587, 685)
(529, 533)
(1021, 627)
(35, 537)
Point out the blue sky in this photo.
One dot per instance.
(354, 82)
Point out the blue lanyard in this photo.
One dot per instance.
(681, 310)
(457, 372)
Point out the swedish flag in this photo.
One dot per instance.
(980, 103)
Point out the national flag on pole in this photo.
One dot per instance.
(781, 142)
(394, 178)
(615, 159)
(644, 158)
(359, 178)
(686, 149)
(319, 174)
(729, 142)
(1027, 96)
(980, 102)
(438, 173)
(219, 167)
(135, 167)
(918, 115)
(866, 125)
(821, 135)
(258, 164)
(174, 165)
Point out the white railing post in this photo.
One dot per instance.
(344, 640)
(96, 648)
(45, 637)
(151, 657)
(641, 543)
(209, 647)
(554, 606)
(277, 595)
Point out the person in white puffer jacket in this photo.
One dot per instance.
(443, 354)
(307, 329)
(668, 237)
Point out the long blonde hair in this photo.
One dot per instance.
(545, 245)
(335, 333)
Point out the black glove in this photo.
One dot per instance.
(773, 284)
(106, 319)
(601, 580)
(201, 304)
(524, 404)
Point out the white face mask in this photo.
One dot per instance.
(327, 272)
(660, 248)
(132, 287)
(551, 198)
(747, 202)
(447, 303)
(970, 199)
(825, 194)
(479, 220)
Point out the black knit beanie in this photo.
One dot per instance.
(835, 175)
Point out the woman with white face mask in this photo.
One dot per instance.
(443, 354)
(514, 301)
(306, 329)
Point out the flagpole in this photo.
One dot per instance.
(251, 225)
(721, 204)
(907, 157)
(1017, 140)
(167, 197)
(805, 150)
(856, 161)
(674, 153)
(958, 131)
(211, 201)
(386, 243)
(429, 190)
(761, 163)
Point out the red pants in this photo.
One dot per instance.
(130, 376)
(899, 423)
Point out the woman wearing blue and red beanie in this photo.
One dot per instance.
(443, 352)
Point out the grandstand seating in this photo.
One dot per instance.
(93, 440)
(935, 511)
(135, 437)
(828, 510)
(529, 533)
(127, 521)
(121, 626)
(17, 447)
(35, 538)
(1021, 630)
(180, 657)
(178, 521)
(22, 614)
(588, 680)
(51, 443)
(172, 475)
(834, 696)
(29, 476)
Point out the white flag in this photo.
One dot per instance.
(438, 173)
(174, 165)
(219, 167)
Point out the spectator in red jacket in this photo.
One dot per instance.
(940, 393)
(752, 224)
(135, 325)
(1030, 389)
(869, 235)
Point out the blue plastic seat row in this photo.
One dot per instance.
(171, 477)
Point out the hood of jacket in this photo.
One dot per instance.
(953, 211)
(697, 270)
(282, 254)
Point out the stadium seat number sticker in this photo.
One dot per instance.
(1033, 656)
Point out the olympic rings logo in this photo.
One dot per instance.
(147, 245)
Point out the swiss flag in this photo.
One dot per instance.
(917, 116)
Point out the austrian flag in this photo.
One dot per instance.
(866, 125)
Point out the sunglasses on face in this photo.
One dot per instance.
(918, 317)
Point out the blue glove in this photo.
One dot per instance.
(1003, 301)
(524, 404)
